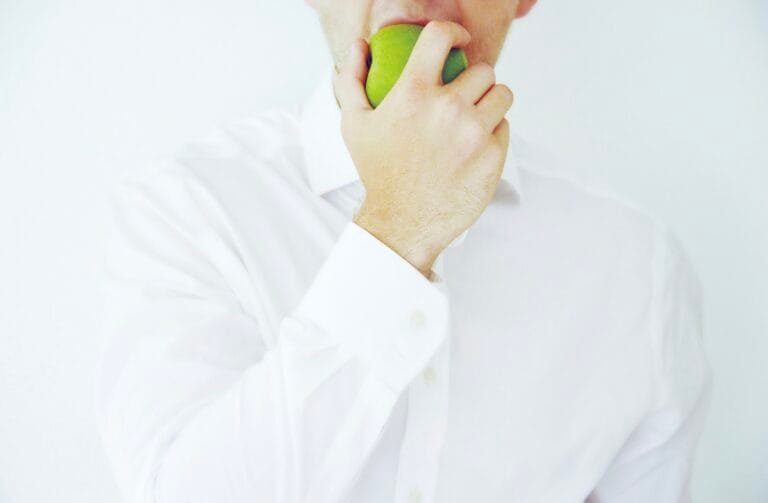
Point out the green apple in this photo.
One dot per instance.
(390, 49)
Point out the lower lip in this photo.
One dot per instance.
(422, 22)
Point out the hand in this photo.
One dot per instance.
(430, 155)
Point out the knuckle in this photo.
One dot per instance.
(437, 29)
(416, 86)
(486, 71)
(506, 93)
(337, 80)
(449, 108)
(451, 102)
(435, 25)
(348, 122)
(341, 79)
(504, 90)
(474, 131)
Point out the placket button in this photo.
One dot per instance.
(429, 375)
(415, 496)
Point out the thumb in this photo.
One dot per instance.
(349, 82)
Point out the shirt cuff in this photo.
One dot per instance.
(378, 305)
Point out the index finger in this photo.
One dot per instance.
(431, 50)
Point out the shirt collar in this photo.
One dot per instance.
(328, 162)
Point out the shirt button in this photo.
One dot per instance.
(430, 375)
(418, 318)
(415, 496)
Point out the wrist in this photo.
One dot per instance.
(411, 247)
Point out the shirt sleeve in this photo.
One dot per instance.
(655, 463)
(194, 405)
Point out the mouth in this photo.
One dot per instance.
(401, 20)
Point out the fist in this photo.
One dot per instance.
(430, 155)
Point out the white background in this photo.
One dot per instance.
(665, 102)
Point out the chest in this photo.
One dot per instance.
(546, 370)
(548, 374)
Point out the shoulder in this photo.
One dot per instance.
(569, 199)
(635, 251)
(245, 157)
(551, 181)
(605, 228)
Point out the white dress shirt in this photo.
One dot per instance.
(262, 347)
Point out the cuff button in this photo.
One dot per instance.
(418, 318)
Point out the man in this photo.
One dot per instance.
(339, 304)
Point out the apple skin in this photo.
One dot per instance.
(390, 49)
